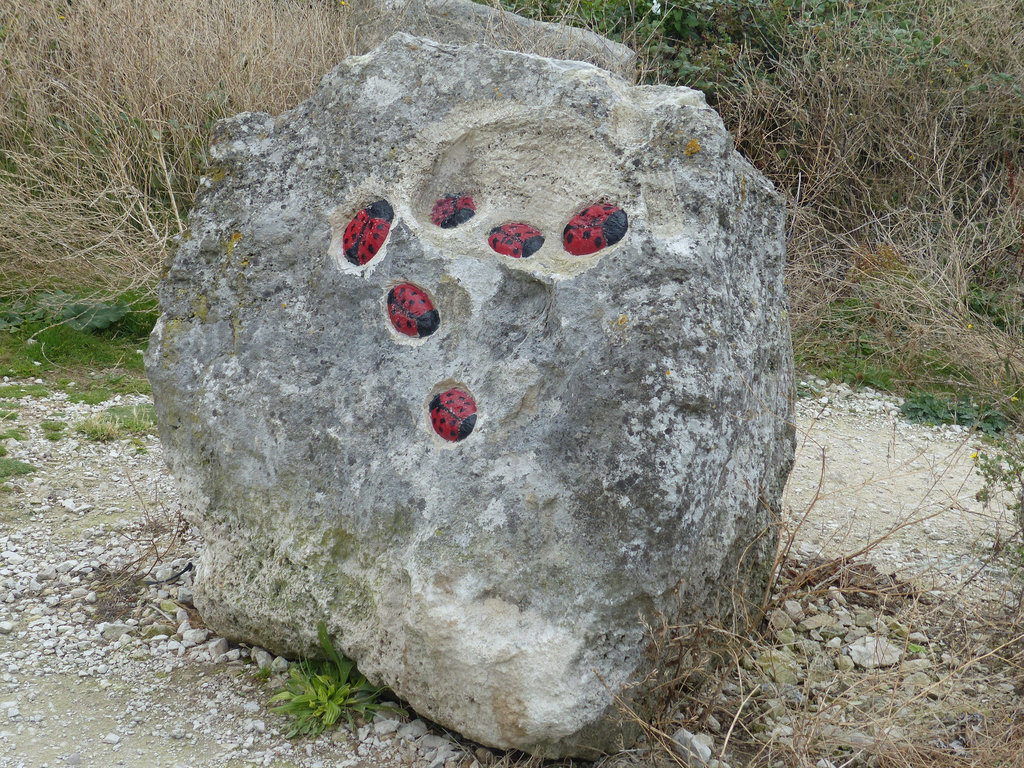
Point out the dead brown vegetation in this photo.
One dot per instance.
(105, 107)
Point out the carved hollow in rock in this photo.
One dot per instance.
(515, 239)
(365, 234)
(594, 228)
(452, 210)
(411, 311)
(453, 414)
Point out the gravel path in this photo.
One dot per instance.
(99, 669)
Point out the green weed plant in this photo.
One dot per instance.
(932, 409)
(1003, 472)
(118, 422)
(319, 693)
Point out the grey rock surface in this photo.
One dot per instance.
(633, 417)
(460, 22)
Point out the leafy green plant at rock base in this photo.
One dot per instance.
(73, 337)
(319, 693)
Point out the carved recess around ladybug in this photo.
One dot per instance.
(552, 222)
(410, 310)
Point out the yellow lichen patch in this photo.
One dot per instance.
(200, 310)
(215, 174)
(623, 320)
(233, 241)
(692, 147)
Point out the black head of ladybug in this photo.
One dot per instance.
(381, 210)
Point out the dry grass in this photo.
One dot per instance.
(902, 157)
(105, 107)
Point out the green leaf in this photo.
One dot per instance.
(92, 317)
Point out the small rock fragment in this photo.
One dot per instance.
(872, 652)
(691, 748)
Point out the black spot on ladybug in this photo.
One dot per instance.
(411, 311)
(453, 414)
(452, 210)
(367, 231)
(596, 227)
(515, 239)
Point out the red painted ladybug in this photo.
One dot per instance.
(366, 233)
(453, 414)
(598, 226)
(411, 311)
(452, 210)
(518, 240)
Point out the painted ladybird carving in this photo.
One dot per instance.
(453, 414)
(516, 239)
(596, 227)
(452, 210)
(367, 231)
(411, 311)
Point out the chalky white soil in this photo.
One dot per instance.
(99, 669)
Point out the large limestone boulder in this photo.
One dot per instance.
(482, 359)
(464, 21)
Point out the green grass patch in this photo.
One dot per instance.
(118, 422)
(13, 467)
(49, 334)
(13, 434)
(53, 430)
(100, 387)
(18, 391)
(91, 396)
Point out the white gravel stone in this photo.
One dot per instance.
(217, 646)
(192, 637)
(871, 652)
(691, 748)
(263, 659)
